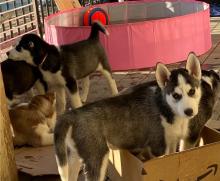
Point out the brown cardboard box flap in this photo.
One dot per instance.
(36, 161)
(197, 164)
(210, 135)
(192, 165)
(215, 124)
(122, 165)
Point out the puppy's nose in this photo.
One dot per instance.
(188, 112)
(7, 53)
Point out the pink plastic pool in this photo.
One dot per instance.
(141, 32)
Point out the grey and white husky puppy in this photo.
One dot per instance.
(154, 118)
(210, 93)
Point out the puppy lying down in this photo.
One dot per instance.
(33, 123)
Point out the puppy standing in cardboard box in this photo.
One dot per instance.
(154, 117)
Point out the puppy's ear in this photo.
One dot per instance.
(162, 75)
(31, 44)
(215, 75)
(193, 66)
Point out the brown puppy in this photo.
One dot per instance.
(33, 123)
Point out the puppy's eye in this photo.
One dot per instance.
(30, 44)
(191, 92)
(18, 48)
(177, 96)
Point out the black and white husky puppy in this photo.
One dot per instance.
(210, 92)
(62, 67)
(153, 117)
(19, 77)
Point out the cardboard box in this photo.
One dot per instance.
(197, 164)
(214, 123)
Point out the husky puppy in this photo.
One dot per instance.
(33, 123)
(62, 66)
(210, 88)
(19, 77)
(153, 118)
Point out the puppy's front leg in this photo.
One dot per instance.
(40, 87)
(171, 146)
(60, 99)
(85, 88)
(107, 74)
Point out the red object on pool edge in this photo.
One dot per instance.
(95, 13)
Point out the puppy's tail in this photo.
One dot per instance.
(60, 133)
(96, 27)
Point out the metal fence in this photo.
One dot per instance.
(16, 19)
(19, 17)
(44, 8)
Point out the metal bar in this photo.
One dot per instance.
(42, 15)
(23, 12)
(37, 15)
(52, 5)
(31, 19)
(21, 7)
(17, 21)
(48, 11)
(3, 28)
(10, 24)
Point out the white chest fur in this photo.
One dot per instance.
(179, 129)
(174, 132)
(53, 79)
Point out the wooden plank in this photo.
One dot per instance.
(67, 4)
(8, 169)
